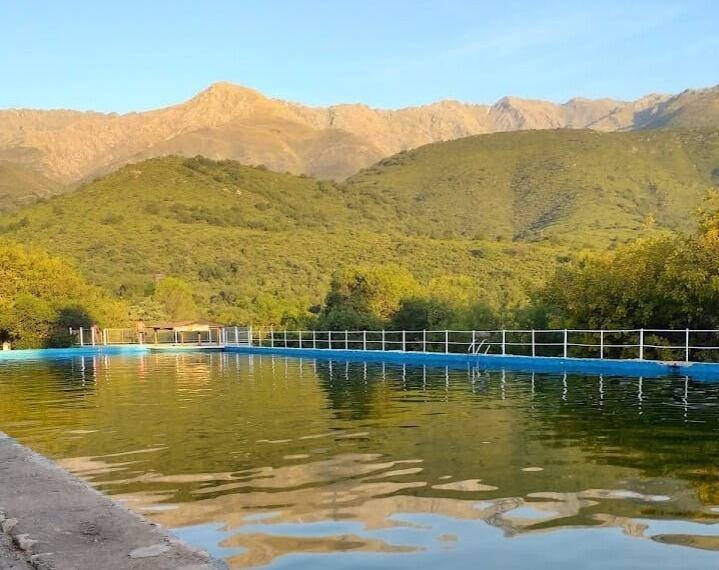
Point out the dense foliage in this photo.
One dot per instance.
(41, 296)
(668, 281)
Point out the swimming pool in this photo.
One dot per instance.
(283, 462)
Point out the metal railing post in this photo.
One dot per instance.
(300, 337)
(424, 340)
(314, 338)
(601, 344)
(504, 342)
(686, 346)
(285, 335)
(259, 337)
(641, 344)
(404, 341)
(364, 340)
(329, 339)
(249, 336)
(272, 337)
(383, 342)
(446, 342)
(534, 350)
(565, 343)
(347, 341)
(82, 338)
(104, 337)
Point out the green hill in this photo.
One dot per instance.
(250, 241)
(255, 245)
(578, 187)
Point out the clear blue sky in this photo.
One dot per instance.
(128, 55)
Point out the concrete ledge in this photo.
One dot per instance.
(61, 523)
(540, 364)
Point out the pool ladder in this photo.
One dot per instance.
(476, 347)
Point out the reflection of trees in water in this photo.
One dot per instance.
(665, 427)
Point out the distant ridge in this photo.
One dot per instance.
(230, 121)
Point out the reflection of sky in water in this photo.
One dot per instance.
(302, 463)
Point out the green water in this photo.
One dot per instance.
(294, 463)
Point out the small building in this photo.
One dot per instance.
(185, 332)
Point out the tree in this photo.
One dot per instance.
(367, 295)
(42, 296)
(175, 296)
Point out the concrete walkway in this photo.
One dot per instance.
(50, 520)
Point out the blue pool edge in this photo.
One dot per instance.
(540, 364)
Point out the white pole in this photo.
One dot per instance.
(314, 338)
(424, 341)
(272, 337)
(686, 345)
(404, 341)
(364, 340)
(347, 342)
(641, 344)
(285, 335)
(82, 340)
(329, 339)
(104, 337)
(259, 337)
(565, 343)
(534, 351)
(601, 344)
(446, 342)
(382, 340)
(92, 336)
(504, 341)
(300, 333)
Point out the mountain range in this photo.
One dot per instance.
(227, 121)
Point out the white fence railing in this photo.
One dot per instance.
(643, 344)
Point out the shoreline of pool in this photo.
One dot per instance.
(56, 521)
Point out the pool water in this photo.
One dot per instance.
(299, 463)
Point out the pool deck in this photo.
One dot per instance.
(50, 520)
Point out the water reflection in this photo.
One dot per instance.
(271, 461)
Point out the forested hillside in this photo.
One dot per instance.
(490, 215)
